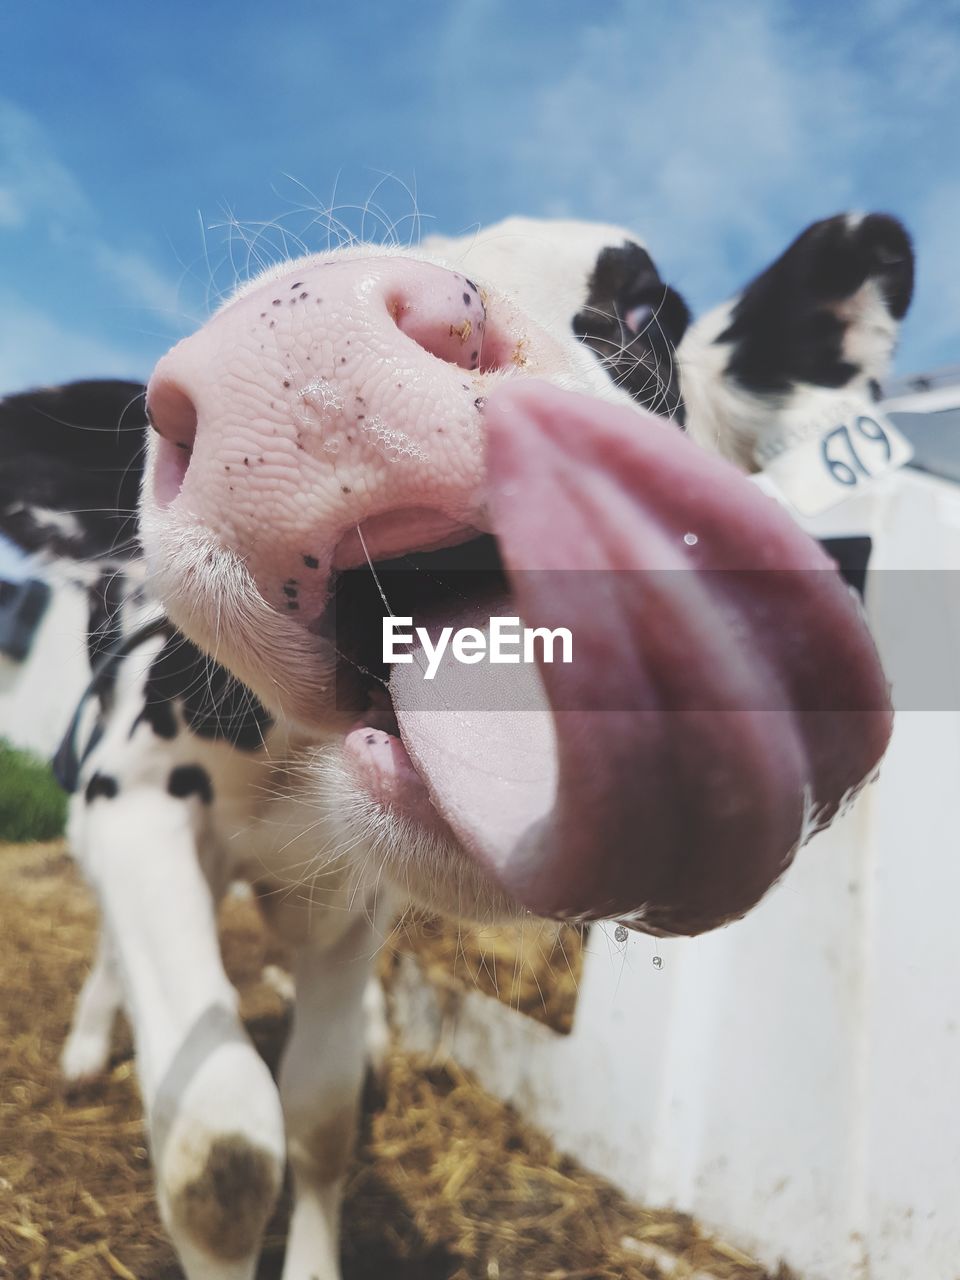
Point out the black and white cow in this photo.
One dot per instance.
(445, 432)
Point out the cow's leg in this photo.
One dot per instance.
(320, 1082)
(376, 1026)
(213, 1113)
(87, 1049)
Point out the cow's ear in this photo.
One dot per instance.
(634, 321)
(824, 315)
(71, 462)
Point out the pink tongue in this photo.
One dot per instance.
(724, 685)
(483, 738)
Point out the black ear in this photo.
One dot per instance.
(633, 321)
(826, 311)
(71, 461)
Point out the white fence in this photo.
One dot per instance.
(791, 1080)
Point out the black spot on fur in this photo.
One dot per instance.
(70, 756)
(786, 326)
(158, 714)
(105, 628)
(226, 1207)
(190, 780)
(642, 360)
(213, 703)
(852, 555)
(76, 449)
(101, 784)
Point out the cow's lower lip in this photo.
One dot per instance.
(382, 767)
(431, 583)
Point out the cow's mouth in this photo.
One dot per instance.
(724, 687)
(422, 585)
(426, 587)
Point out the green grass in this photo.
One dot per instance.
(32, 805)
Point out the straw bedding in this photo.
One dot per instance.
(448, 1184)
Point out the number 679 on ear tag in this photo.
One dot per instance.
(838, 461)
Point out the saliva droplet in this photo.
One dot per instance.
(691, 539)
(620, 933)
(658, 962)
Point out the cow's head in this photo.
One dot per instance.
(475, 402)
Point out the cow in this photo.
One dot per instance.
(521, 420)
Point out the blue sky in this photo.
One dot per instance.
(149, 154)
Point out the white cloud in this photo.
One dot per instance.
(33, 181)
(35, 350)
(138, 277)
(11, 210)
(38, 191)
(934, 324)
(698, 133)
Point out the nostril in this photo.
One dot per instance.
(443, 325)
(172, 413)
(170, 465)
(173, 416)
(445, 315)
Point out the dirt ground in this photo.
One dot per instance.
(447, 1183)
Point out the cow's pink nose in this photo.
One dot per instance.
(442, 311)
(344, 395)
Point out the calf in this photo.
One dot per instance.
(373, 431)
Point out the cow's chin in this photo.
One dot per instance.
(425, 863)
